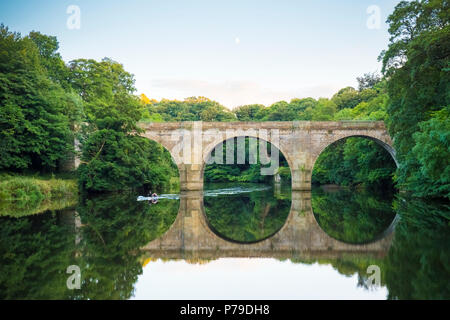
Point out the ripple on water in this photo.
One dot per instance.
(214, 192)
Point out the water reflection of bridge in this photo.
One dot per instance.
(301, 237)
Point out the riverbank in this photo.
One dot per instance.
(25, 194)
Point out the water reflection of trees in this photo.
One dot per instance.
(352, 216)
(35, 251)
(24, 208)
(246, 217)
(115, 228)
(34, 254)
(418, 264)
(351, 264)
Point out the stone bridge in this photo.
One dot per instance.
(191, 237)
(301, 142)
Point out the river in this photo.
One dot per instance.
(233, 241)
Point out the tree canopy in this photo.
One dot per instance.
(36, 112)
(416, 65)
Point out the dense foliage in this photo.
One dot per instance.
(114, 161)
(46, 103)
(114, 157)
(355, 162)
(417, 67)
(36, 112)
(191, 109)
(367, 103)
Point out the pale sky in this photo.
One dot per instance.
(234, 52)
(249, 278)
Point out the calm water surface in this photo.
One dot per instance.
(238, 242)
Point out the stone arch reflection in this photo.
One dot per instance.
(244, 202)
(300, 236)
(347, 206)
(353, 217)
(354, 201)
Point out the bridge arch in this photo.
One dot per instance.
(169, 145)
(381, 139)
(209, 148)
(221, 141)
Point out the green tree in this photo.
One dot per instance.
(245, 172)
(113, 161)
(191, 109)
(324, 110)
(346, 98)
(355, 161)
(416, 65)
(368, 81)
(248, 112)
(113, 156)
(302, 108)
(432, 151)
(280, 111)
(107, 91)
(35, 111)
(50, 58)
